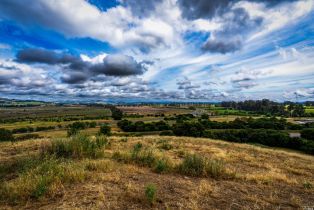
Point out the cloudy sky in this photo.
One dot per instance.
(159, 49)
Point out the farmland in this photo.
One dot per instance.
(155, 156)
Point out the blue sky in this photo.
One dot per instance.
(161, 49)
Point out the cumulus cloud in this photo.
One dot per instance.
(78, 18)
(235, 22)
(78, 70)
(141, 7)
(231, 36)
(186, 84)
(119, 65)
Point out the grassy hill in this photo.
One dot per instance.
(152, 172)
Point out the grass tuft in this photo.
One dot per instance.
(150, 193)
(78, 146)
(196, 165)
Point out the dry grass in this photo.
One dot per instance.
(261, 178)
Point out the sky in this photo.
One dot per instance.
(175, 50)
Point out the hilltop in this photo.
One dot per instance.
(239, 176)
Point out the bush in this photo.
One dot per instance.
(105, 129)
(162, 165)
(196, 165)
(194, 129)
(150, 193)
(308, 133)
(78, 146)
(192, 165)
(6, 135)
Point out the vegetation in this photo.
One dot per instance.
(140, 126)
(6, 135)
(308, 133)
(186, 175)
(40, 177)
(105, 129)
(78, 146)
(196, 165)
(75, 127)
(116, 113)
(150, 193)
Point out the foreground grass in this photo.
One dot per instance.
(117, 173)
(39, 177)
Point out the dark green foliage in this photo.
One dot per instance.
(27, 136)
(116, 113)
(75, 127)
(264, 106)
(162, 165)
(150, 193)
(244, 123)
(166, 133)
(204, 116)
(140, 126)
(308, 133)
(185, 128)
(42, 128)
(105, 129)
(271, 138)
(6, 135)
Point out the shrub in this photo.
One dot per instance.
(6, 135)
(194, 129)
(192, 165)
(308, 133)
(105, 129)
(162, 165)
(79, 146)
(150, 193)
(196, 165)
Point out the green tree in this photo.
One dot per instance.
(105, 129)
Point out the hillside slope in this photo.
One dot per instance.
(253, 177)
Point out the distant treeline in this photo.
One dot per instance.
(140, 126)
(268, 107)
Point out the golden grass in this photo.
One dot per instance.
(259, 178)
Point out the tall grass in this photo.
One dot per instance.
(144, 157)
(39, 178)
(78, 146)
(196, 165)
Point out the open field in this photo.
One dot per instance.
(253, 177)
(151, 110)
(56, 112)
